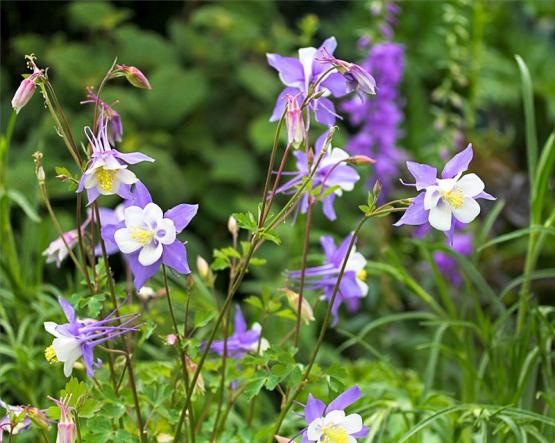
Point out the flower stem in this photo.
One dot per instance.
(303, 269)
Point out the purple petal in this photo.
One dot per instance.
(450, 234)
(345, 399)
(314, 409)
(328, 245)
(424, 175)
(92, 195)
(415, 213)
(140, 196)
(239, 321)
(81, 186)
(327, 207)
(175, 256)
(459, 163)
(362, 433)
(88, 358)
(124, 191)
(330, 44)
(133, 157)
(181, 215)
(320, 143)
(485, 196)
(336, 84)
(68, 309)
(108, 216)
(281, 102)
(341, 251)
(141, 273)
(305, 438)
(325, 111)
(290, 69)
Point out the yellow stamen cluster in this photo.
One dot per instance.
(335, 435)
(142, 236)
(105, 178)
(362, 274)
(455, 197)
(50, 354)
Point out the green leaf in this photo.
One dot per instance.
(246, 220)
(254, 386)
(96, 16)
(544, 172)
(21, 201)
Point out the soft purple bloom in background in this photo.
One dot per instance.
(110, 217)
(446, 200)
(380, 117)
(147, 236)
(22, 425)
(109, 114)
(332, 171)
(323, 278)
(57, 250)
(448, 266)
(242, 340)
(79, 337)
(107, 173)
(330, 423)
(298, 74)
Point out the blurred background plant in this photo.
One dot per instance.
(206, 123)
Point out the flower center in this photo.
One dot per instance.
(335, 435)
(362, 274)
(105, 179)
(50, 354)
(455, 197)
(142, 236)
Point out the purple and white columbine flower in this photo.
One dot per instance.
(447, 199)
(148, 237)
(109, 114)
(58, 250)
(17, 413)
(333, 171)
(79, 337)
(107, 173)
(243, 340)
(299, 74)
(323, 278)
(330, 424)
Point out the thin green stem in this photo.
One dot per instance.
(306, 246)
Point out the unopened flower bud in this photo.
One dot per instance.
(232, 226)
(310, 156)
(191, 369)
(203, 268)
(134, 76)
(23, 94)
(294, 122)
(360, 160)
(67, 432)
(40, 174)
(171, 339)
(307, 315)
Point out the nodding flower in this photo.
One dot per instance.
(134, 76)
(79, 337)
(27, 87)
(107, 173)
(358, 79)
(108, 113)
(67, 431)
(294, 122)
(18, 419)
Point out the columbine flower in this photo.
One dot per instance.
(148, 237)
(381, 117)
(299, 74)
(79, 337)
(330, 424)
(294, 122)
(57, 251)
(108, 113)
(27, 86)
(109, 217)
(134, 76)
(333, 171)
(323, 278)
(67, 432)
(358, 79)
(243, 340)
(307, 315)
(15, 421)
(447, 199)
(107, 173)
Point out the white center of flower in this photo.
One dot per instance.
(146, 230)
(106, 175)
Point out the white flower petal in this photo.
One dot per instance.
(468, 211)
(351, 439)
(110, 162)
(431, 197)
(314, 431)
(471, 185)
(363, 287)
(165, 231)
(50, 327)
(127, 177)
(353, 423)
(152, 215)
(90, 181)
(125, 241)
(446, 184)
(440, 217)
(306, 57)
(67, 349)
(150, 253)
(356, 262)
(133, 216)
(335, 418)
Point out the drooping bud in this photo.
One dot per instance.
(358, 79)
(203, 268)
(171, 339)
(232, 226)
(307, 315)
(66, 426)
(294, 122)
(191, 369)
(134, 76)
(27, 87)
(360, 160)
